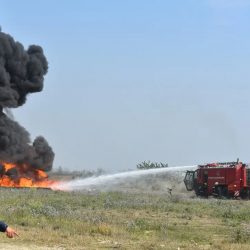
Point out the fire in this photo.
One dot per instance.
(22, 175)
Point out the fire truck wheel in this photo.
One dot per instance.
(220, 192)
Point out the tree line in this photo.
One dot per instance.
(150, 165)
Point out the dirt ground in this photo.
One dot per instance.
(17, 246)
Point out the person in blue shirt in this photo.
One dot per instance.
(8, 230)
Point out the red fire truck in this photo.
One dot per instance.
(223, 179)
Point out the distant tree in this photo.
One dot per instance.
(151, 165)
(60, 170)
(99, 172)
(77, 173)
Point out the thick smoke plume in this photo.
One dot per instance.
(21, 73)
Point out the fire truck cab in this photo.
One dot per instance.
(224, 179)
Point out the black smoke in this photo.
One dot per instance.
(21, 73)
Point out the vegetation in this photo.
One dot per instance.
(149, 165)
(115, 220)
(62, 173)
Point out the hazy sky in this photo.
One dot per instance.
(136, 80)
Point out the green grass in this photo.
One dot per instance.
(115, 220)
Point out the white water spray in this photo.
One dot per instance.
(86, 183)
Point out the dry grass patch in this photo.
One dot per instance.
(115, 220)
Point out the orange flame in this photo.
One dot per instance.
(22, 175)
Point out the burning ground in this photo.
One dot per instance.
(22, 163)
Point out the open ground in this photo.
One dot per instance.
(47, 219)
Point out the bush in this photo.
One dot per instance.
(150, 165)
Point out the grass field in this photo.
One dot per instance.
(48, 219)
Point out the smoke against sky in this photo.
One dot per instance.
(21, 73)
(138, 80)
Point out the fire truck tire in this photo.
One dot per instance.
(220, 192)
(245, 194)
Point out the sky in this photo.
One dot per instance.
(129, 81)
